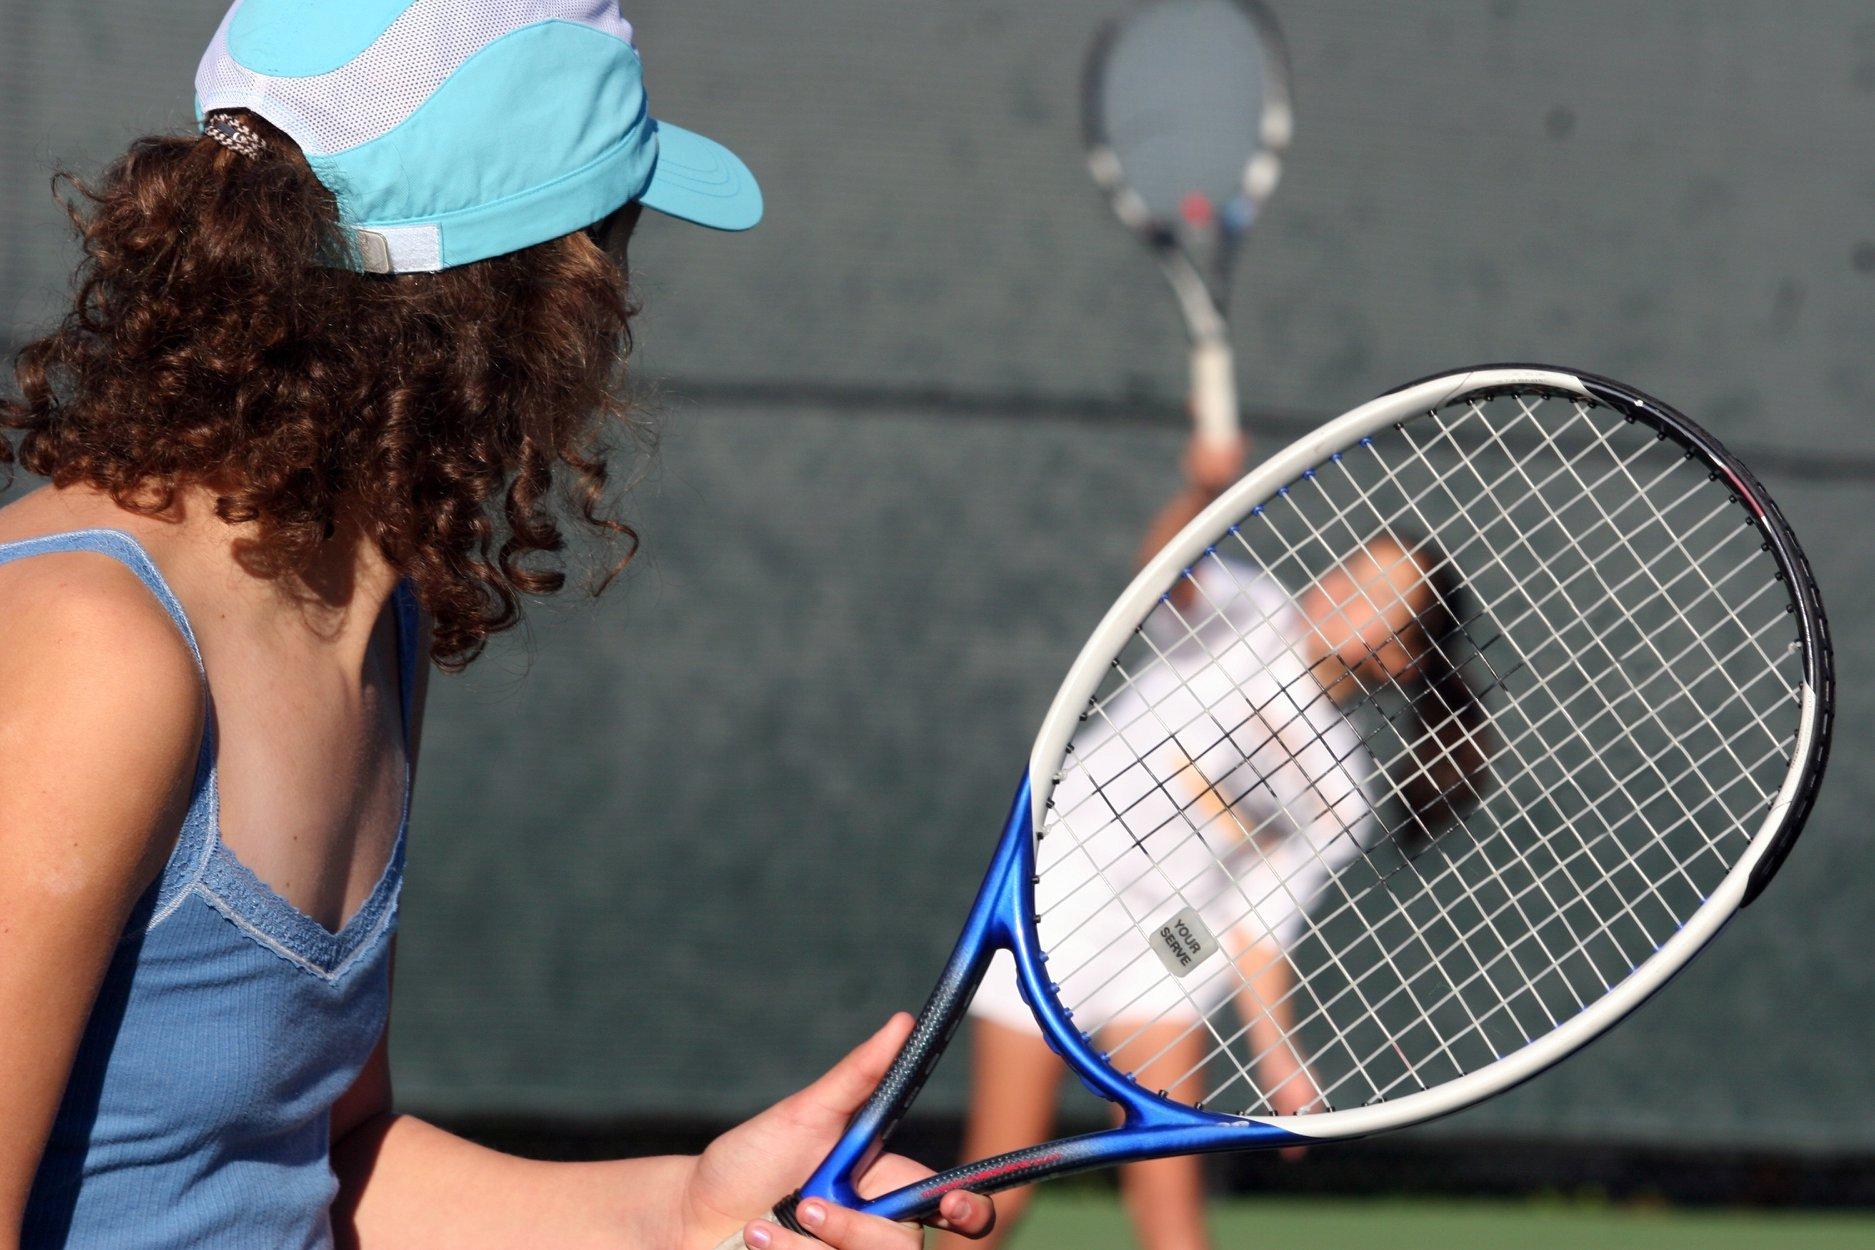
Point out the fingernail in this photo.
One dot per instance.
(812, 1214)
(758, 1236)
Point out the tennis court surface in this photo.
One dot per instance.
(1090, 1220)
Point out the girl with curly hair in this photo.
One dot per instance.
(338, 377)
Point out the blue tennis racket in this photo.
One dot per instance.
(1547, 684)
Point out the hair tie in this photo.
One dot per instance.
(235, 134)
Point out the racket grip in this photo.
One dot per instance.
(782, 1214)
(733, 1242)
(1214, 390)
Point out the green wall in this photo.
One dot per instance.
(676, 850)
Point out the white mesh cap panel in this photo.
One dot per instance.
(380, 88)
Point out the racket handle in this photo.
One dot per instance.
(1214, 390)
(734, 1240)
(783, 1214)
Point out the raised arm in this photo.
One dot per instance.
(1208, 468)
(99, 732)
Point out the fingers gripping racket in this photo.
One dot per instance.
(1646, 665)
(1185, 109)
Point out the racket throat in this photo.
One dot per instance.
(984, 933)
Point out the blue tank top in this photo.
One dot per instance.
(229, 1022)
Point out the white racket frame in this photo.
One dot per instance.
(1092, 665)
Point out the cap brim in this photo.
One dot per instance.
(700, 180)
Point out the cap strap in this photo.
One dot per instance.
(235, 134)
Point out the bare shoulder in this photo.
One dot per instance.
(100, 722)
(103, 711)
(85, 607)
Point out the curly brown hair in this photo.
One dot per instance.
(207, 347)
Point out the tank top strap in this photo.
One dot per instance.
(196, 840)
(409, 654)
(128, 552)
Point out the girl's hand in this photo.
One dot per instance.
(849, 1230)
(1211, 465)
(746, 1170)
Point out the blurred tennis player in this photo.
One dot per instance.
(337, 380)
(1252, 698)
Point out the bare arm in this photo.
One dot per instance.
(1268, 1008)
(410, 1185)
(407, 1184)
(99, 732)
(404, 1183)
(1267, 1003)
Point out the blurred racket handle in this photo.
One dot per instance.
(1214, 390)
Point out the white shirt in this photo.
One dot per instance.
(1214, 779)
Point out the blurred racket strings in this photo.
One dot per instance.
(1623, 644)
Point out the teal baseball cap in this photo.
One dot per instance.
(455, 130)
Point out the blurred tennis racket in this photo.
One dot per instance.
(1185, 110)
(1651, 651)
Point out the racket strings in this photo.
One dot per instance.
(1191, 632)
(1256, 833)
(1234, 813)
(1580, 947)
(1286, 1037)
(1506, 944)
(1540, 882)
(1514, 952)
(1138, 920)
(1643, 566)
(1282, 884)
(1226, 734)
(1182, 811)
(1234, 882)
(1326, 691)
(1347, 677)
(1580, 942)
(1498, 676)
